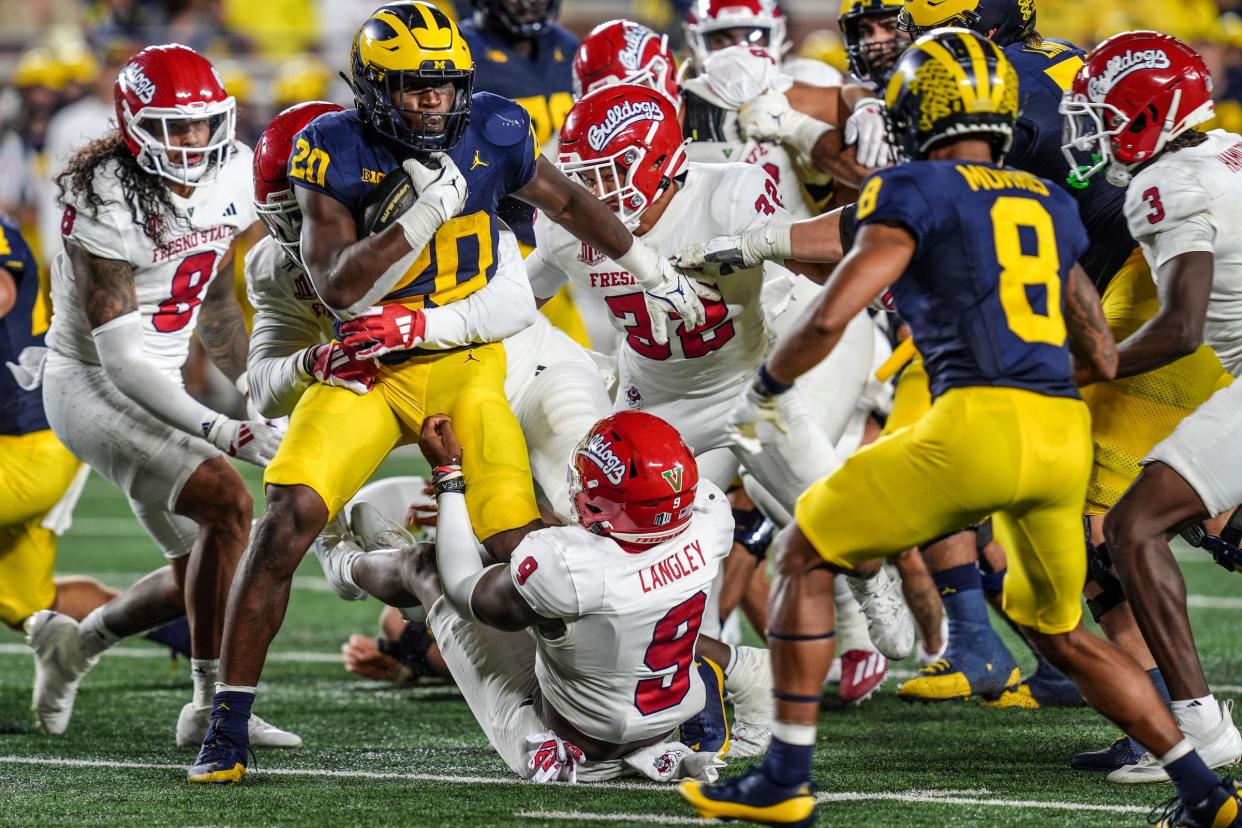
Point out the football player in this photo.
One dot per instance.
(718, 24)
(451, 155)
(1007, 434)
(623, 142)
(634, 569)
(151, 211)
(35, 469)
(552, 385)
(1135, 103)
(1129, 415)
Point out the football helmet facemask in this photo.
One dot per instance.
(872, 61)
(519, 19)
(763, 18)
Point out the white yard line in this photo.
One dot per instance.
(946, 797)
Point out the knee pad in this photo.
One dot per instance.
(1225, 548)
(753, 531)
(1100, 570)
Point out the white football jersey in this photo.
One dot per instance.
(1191, 200)
(715, 200)
(171, 278)
(281, 291)
(624, 669)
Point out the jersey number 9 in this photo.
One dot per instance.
(1020, 270)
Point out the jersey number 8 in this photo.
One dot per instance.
(1021, 270)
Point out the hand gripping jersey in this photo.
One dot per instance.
(542, 84)
(624, 669)
(171, 278)
(338, 156)
(1191, 200)
(715, 200)
(1044, 73)
(982, 294)
(21, 328)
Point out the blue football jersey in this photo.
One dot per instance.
(541, 83)
(337, 155)
(1044, 73)
(22, 411)
(982, 295)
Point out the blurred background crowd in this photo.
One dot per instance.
(58, 59)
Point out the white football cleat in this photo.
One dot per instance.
(193, 721)
(1220, 747)
(60, 665)
(337, 550)
(749, 687)
(889, 622)
(376, 531)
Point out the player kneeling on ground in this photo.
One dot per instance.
(525, 640)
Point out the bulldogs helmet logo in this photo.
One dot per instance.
(1121, 65)
(599, 451)
(618, 118)
(144, 87)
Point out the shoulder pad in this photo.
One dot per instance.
(505, 123)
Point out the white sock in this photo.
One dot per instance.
(221, 687)
(1196, 717)
(93, 635)
(1176, 752)
(793, 734)
(203, 672)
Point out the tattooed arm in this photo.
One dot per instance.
(1090, 340)
(110, 301)
(221, 326)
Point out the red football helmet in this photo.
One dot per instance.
(273, 195)
(623, 143)
(622, 51)
(158, 94)
(762, 17)
(633, 479)
(1136, 92)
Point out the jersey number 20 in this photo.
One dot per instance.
(672, 647)
(1020, 269)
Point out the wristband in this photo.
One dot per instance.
(447, 479)
(768, 386)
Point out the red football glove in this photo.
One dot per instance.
(335, 364)
(382, 330)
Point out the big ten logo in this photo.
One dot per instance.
(547, 113)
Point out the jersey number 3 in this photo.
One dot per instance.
(1014, 218)
(671, 648)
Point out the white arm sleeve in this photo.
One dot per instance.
(274, 364)
(457, 552)
(503, 307)
(119, 345)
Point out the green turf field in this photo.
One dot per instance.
(380, 755)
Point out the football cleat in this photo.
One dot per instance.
(750, 689)
(376, 531)
(337, 549)
(1223, 809)
(1222, 746)
(944, 681)
(193, 722)
(60, 665)
(1124, 751)
(1042, 689)
(752, 797)
(222, 758)
(862, 673)
(708, 730)
(889, 622)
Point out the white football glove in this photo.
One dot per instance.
(745, 250)
(254, 441)
(753, 410)
(769, 117)
(666, 289)
(441, 187)
(866, 128)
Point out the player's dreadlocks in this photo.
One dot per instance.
(145, 194)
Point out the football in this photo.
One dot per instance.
(386, 202)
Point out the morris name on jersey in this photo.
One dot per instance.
(982, 294)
